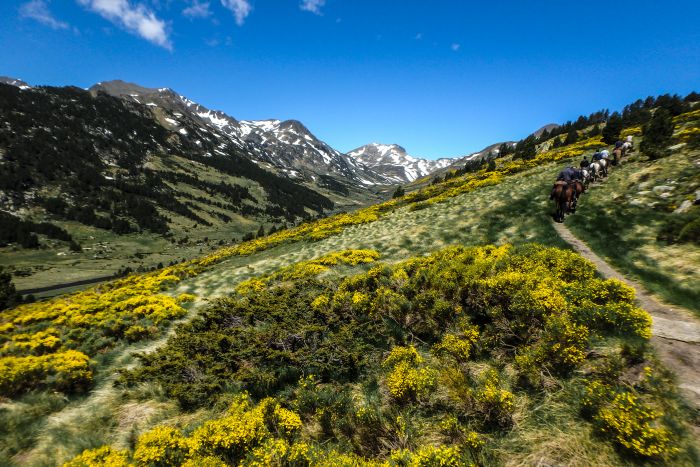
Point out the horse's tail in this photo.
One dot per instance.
(556, 191)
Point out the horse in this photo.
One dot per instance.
(562, 194)
(578, 189)
(587, 177)
(626, 147)
(617, 156)
(604, 164)
(595, 170)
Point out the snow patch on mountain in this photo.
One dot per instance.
(285, 145)
(14, 82)
(392, 161)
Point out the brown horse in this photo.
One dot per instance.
(563, 195)
(578, 189)
(617, 156)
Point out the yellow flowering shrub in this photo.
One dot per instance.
(684, 117)
(162, 446)
(100, 457)
(458, 346)
(186, 297)
(320, 302)
(627, 420)
(688, 133)
(65, 371)
(494, 403)
(62, 331)
(231, 436)
(204, 461)
(406, 380)
(428, 456)
(608, 305)
(288, 423)
(33, 344)
(246, 435)
(632, 131)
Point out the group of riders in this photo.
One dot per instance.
(573, 182)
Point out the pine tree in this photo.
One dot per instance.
(399, 192)
(571, 137)
(613, 128)
(657, 134)
(261, 232)
(8, 293)
(492, 165)
(692, 97)
(505, 149)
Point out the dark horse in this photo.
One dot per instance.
(563, 196)
(578, 188)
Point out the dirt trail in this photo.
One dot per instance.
(676, 332)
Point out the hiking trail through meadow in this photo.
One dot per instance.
(675, 331)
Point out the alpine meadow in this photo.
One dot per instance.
(181, 287)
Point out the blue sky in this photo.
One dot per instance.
(441, 78)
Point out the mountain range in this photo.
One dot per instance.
(125, 157)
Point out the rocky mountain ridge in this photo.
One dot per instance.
(393, 162)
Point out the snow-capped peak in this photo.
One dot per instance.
(14, 82)
(394, 162)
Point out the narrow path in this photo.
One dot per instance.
(675, 331)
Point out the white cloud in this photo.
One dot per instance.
(197, 9)
(240, 8)
(314, 6)
(38, 10)
(455, 47)
(137, 19)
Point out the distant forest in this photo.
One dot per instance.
(635, 114)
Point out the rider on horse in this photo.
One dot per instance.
(584, 163)
(572, 179)
(567, 175)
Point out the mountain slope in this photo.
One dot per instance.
(294, 322)
(287, 147)
(392, 161)
(108, 162)
(14, 82)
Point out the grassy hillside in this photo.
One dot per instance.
(488, 384)
(635, 218)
